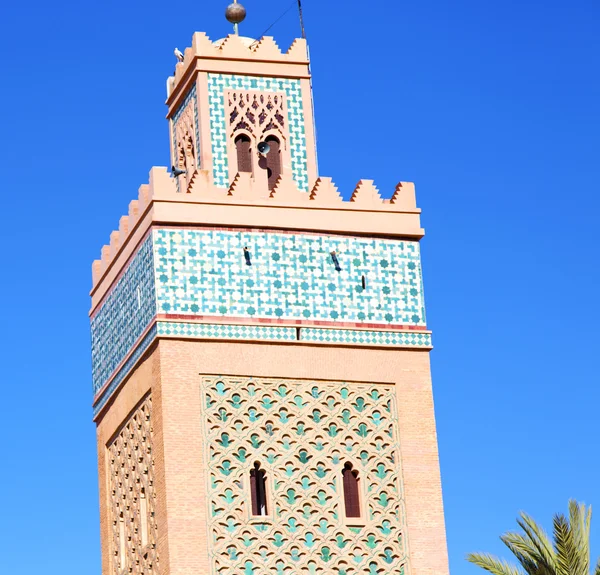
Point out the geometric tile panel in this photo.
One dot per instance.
(360, 337)
(292, 277)
(232, 332)
(218, 83)
(307, 334)
(123, 316)
(302, 433)
(121, 374)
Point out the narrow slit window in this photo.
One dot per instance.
(244, 153)
(247, 257)
(364, 282)
(122, 547)
(351, 491)
(258, 489)
(144, 518)
(335, 261)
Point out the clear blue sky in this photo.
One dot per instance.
(492, 108)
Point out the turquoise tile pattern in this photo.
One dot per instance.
(224, 331)
(121, 374)
(124, 315)
(218, 83)
(199, 273)
(364, 337)
(292, 277)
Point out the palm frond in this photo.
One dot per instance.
(567, 554)
(564, 542)
(493, 564)
(540, 541)
(579, 522)
(523, 551)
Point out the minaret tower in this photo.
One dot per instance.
(261, 376)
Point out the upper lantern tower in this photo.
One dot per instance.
(229, 96)
(260, 358)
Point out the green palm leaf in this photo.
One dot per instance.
(493, 564)
(536, 554)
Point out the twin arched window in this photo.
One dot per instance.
(271, 162)
(350, 480)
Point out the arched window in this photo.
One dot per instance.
(244, 153)
(258, 490)
(273, 160)
(144, 518)
(351, 491)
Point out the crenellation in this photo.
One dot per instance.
(286, 192)
(266, 48)
(298, 51)
(326, 193)
(366, 195)
(114, 243)
(404, 197)
(245, 190)
(123, 228)
(234, 48)
(237, 48)
(133, 211)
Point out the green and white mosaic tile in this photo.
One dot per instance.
(218, 83)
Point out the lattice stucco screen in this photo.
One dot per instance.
(302, 433)
(131, 482)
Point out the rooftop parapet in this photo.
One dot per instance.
(233, 54)
(245, 204)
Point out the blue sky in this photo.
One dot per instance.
(490, 107)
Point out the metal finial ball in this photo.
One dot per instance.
(235, 13)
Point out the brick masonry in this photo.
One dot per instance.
(172, 370)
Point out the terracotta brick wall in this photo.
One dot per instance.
(172, 370)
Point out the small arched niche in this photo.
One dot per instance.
(243, 148)
(352, 503)
(273, 160)
(258, 491)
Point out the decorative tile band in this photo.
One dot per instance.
(124, 315)
(186, 276)
(262, 333)
(363, 337)
(218, 83)
(291, 277)
(125, 369)
(225, 331)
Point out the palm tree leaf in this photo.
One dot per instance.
(523, 551)
(540, 541)
(568, 554)
(493, 564)
(579, 522)
(564, 542)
